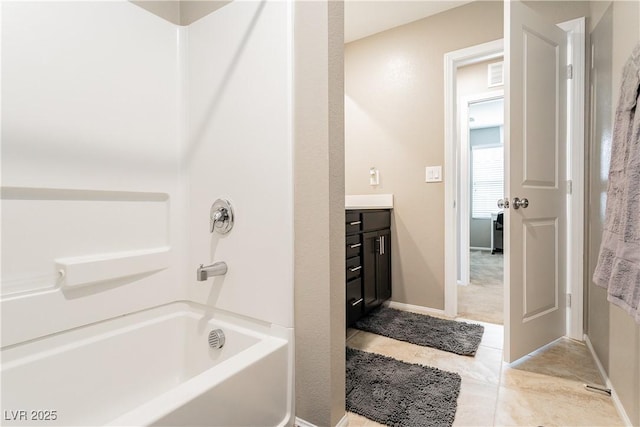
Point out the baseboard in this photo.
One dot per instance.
(299, 422)
(416, 308)
(344, 421)
(614, 396)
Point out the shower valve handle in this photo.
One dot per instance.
(221, 217)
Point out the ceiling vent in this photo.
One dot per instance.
(496, 74)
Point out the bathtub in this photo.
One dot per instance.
(154, 367)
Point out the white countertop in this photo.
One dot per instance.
(369, 201)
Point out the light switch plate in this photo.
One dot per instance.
(433, 174)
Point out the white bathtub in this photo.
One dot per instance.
(154, 367)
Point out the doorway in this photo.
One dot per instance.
(481, 282)
(459, 95)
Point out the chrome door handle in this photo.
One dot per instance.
(520, 203)
(353, 304)
(355, 223)
(503, 203)
(355, 268)
(357, 245)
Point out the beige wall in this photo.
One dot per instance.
(181, 12)
(559, 11)
(600, 93)
(319, 213)
(614, 335)
(624, 338)
(394, 113)
(165, 9)
(472, 79)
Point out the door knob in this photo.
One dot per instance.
(503, 203)
(520, 203)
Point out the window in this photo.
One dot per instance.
(487, 180)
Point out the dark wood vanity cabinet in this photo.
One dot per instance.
(368, 254)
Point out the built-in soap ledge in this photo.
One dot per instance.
(369, 201)
(85, 270)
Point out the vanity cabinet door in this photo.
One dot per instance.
(376, 266)
(383, 266)
(369, 255)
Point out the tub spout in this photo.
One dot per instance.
(215, 269)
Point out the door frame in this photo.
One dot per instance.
(575, 170)
(453, 61)
(576, 177)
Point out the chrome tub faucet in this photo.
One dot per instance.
(215, 269)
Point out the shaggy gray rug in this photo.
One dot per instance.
(395, 393)
(448, 335)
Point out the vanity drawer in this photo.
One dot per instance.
(353, 223)
(354, 268)
(354, 245)
(376, 220)
(354, 300)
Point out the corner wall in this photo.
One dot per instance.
(613, 334)
(319, 212)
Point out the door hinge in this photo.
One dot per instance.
(569, 186)
(570, 71)
(568, 300)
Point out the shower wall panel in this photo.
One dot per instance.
(90, 164)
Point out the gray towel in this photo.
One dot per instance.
(618, 268)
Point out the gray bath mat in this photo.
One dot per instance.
(395, 393)
(448, 335)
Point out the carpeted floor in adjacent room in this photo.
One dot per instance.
(482, 299)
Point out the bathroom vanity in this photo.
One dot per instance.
(368, 256)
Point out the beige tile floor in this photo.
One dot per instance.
(546, 388)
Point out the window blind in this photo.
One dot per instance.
(487, 184)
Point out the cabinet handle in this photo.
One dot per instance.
(355, 223)
(353, 304)
(381, 247)
(357, 245)
(355, 268)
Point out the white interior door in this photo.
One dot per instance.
(535, 170)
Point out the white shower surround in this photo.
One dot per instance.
(108, 109)
(239, 124)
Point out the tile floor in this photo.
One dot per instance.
(546, 388)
